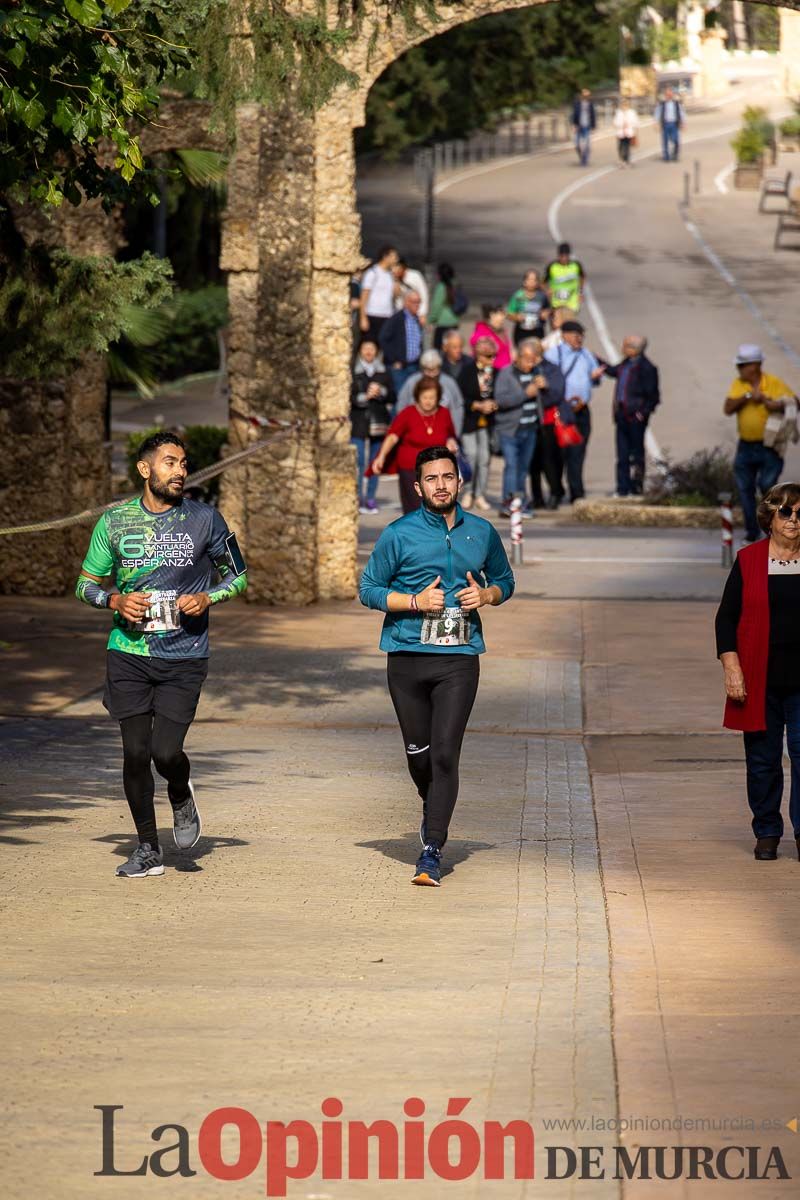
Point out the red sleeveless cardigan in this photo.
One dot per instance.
(752, 640)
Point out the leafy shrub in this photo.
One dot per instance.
(191, 345)
(204, 443)
(696, 482)
(748, 145)
(755, 117)
(790, 128)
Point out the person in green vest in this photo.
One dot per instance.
(565, 279)
(528, 308)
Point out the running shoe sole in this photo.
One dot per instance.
(159, 870)
(425, 880)
(199, 823)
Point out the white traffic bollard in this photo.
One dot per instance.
(516, 530)
(726, 528)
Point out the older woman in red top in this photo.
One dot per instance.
(758, 644)
(422, 425)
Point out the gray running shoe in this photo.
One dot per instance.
(144, 861)
(186, 823)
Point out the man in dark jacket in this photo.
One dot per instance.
(636, 396)
(401, 341)
(522, 393)
(584, 121)
(669, 115)
(370, 400)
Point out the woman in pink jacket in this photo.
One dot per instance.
(493, 326)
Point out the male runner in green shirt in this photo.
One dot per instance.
(163, 552)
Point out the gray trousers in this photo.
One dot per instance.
(476, 451)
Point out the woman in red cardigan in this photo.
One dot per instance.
(423, 424)
(758, 644)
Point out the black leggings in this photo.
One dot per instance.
(433, 696)
(155, 738)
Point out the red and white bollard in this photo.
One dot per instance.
(726, 528)
(515, 508)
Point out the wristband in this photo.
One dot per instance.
(414, 605)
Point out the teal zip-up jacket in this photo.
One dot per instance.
(408, 556)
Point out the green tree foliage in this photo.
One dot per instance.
(54, 308)
(75, 78)
(461, 80)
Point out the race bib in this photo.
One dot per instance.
(563, 293)
(450, 627)
(163, 615)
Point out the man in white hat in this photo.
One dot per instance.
(752, 397)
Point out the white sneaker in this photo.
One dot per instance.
(466, 501)
(482, 503)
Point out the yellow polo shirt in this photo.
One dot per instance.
(752, 417)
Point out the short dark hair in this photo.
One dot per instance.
(782, 493)
(383, 251)
(156, 440)
(564, 248)
(426, 384)
(492, 307)
(430, 455)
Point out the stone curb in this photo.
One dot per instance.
(633, 513)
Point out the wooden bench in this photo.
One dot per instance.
(774, 186)
(789, 222)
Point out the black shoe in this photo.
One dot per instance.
(554, 502)
(766, 848)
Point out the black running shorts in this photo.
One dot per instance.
(137, 684)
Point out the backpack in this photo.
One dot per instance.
(460, 301)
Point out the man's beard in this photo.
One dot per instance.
(162, 489)
(440, 507)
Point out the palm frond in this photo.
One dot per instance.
(203, 168)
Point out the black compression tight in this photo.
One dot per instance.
(433, 696)
(152, 738)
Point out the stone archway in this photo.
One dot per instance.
(291, 241)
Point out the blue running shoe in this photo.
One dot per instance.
(428, 872)
(144, 861)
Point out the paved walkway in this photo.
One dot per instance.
(603, 945)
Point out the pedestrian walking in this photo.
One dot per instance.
(753, 397)
(370, 400)
(582, 372)
(430, 365)
(493, 326)
(636, 397)
(447, 305)
(409, 279)
(669, 116)
(479, 406)
(400, 341)
(758, 644)
(626, 128)
(584, 122)
(430, 573)
(564, 279)
(376, 298)
(153, 562)
(529, 308)
(523, 392)
(424, 424)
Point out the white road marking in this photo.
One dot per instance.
(721, 176)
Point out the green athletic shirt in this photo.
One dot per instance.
(176, 552)
(564, 281)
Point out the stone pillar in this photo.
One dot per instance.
(790, 52)
(54, 434)
(294, 503)
(711, 80)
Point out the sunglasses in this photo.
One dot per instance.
(786, 512)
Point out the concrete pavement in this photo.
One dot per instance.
(603, 945)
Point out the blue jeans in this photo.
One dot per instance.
(583, 140)
(755, 466)
(399, 375)
(363, 456)
(670, 140)
(517, 451)
(764, 755)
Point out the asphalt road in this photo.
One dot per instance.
(648, 272)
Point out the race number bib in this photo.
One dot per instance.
(162, 616)
(448, 628)
(563, 293)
